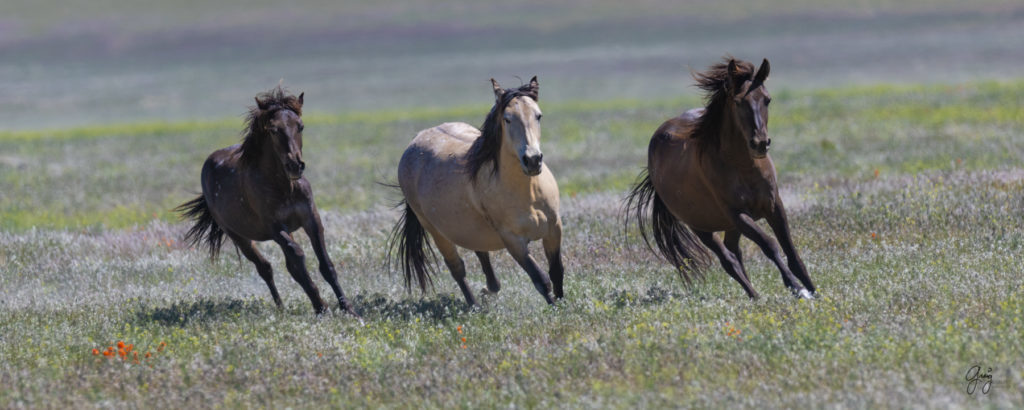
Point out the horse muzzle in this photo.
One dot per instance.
(294, 169)
(532, 164)
(759, 149)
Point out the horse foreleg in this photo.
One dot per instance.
(315, 230)
(553, 251)
(262, 266)
(749, 228)
(455, 265)
(295, 259)
(519, 250)
(493, 285)
(730, 261)
(780, 225)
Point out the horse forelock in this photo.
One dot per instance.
(715, 83)
(487, 147)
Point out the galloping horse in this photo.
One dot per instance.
(482, 189)
(255, 191)
(709, 169)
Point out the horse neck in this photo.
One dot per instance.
(270, 166)
(732, 147)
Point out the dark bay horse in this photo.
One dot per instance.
(255, 191)
(484, 190)
(708, 170)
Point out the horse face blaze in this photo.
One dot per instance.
(753, 108)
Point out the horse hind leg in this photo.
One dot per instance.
(456, 266)
(248, 248)
(732, 244)
(730, 261)
(295, 259)
(493, 285)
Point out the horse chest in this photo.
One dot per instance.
(757, 199)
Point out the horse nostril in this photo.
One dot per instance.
(302, 166)
(540, 157)
(769, 143)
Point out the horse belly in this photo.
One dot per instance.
(459, 223)
(690, 201)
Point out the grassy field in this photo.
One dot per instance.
(897, 129)
(918, 266)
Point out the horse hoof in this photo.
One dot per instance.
(805, 294)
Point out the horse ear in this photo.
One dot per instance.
(762, 74)
(498, 91)
(534, 85)
(260, 104)
(730, 72)
(302, 94)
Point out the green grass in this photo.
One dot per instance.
(918, 269)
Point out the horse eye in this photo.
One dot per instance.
(508, 121)
(301, 127)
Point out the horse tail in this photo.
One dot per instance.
(205, 228)
(410, 240)
(675, 242)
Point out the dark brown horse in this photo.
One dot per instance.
(255, 191)
(708, 170)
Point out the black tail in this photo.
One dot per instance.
(205, 229)
(410, 240)
(674, 240)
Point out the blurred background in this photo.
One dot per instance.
(80, 63)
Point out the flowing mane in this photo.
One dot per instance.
(487, 147)
(255, 120)
(714, 82)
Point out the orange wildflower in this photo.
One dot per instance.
(463, 340)
(148, 354)
(459, 329)
(95, 352)
(873, 235)
(107, 353)
(120, 344)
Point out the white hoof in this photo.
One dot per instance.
(805, 294)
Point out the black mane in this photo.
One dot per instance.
(255, 120)
(715, 82)
(487, 147)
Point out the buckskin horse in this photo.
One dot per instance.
(481, 189)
